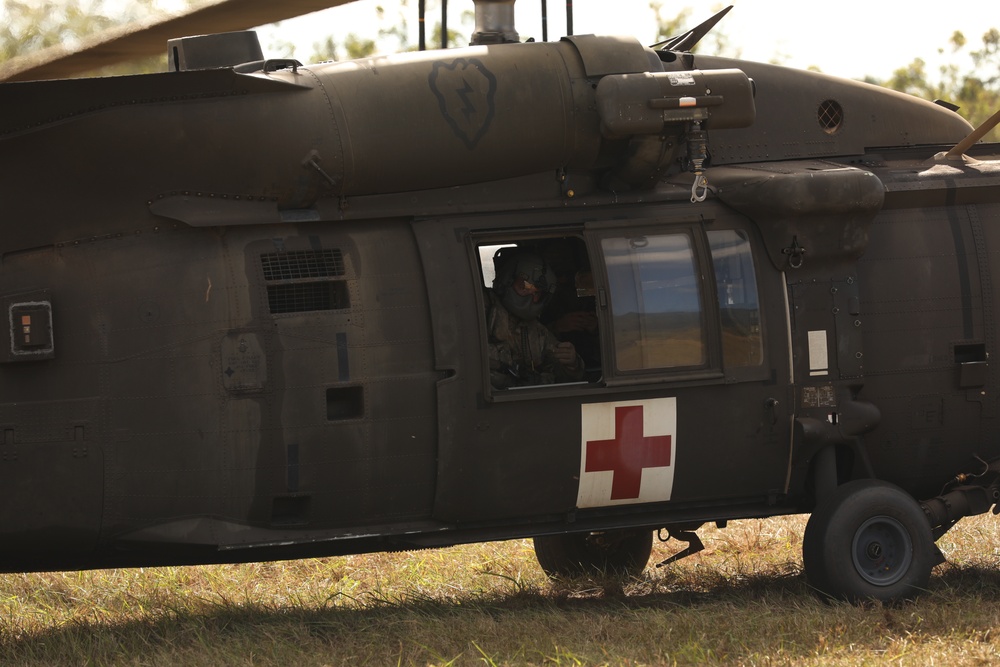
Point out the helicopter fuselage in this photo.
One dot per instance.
(247, 312)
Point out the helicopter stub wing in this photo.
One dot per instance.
(148, 38)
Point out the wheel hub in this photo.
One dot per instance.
(882, 550)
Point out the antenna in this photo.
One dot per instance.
(545, 20)
(977, 134)
(686, 41)
(422, 25)
(444, 24)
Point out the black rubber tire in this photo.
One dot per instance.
(621, 553)
(868, 541)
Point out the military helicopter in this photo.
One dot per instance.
(248, 308)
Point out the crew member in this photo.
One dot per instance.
(569, 315)
(522, 351)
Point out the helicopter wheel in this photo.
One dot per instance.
(869, 541)
(614, 552)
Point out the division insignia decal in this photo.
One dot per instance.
(628, 452)
(465, 91)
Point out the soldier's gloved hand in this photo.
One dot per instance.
(565, 353)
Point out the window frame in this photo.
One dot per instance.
(514, 235)
(591, 232)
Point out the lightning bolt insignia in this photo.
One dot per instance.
(468, 107)
(465, 90)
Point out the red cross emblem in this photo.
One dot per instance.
(628, 452)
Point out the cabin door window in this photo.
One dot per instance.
(739, 307)
(656, 302)
(547, 334)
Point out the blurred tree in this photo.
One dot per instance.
(975, 91)
(400, 30)
(353, 47)
(358, 47)
(667, 27)
(28, 26)
(395, 30)
(31, 25)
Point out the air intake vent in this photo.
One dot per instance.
(304, 281)
(304, 297)
(831, 116)
(302, 264)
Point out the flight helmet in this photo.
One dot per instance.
(524, 283)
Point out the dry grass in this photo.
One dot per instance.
(741, 601)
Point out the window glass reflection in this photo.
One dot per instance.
(655, 302)
(739, 308)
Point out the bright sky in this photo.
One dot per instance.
(850, 38)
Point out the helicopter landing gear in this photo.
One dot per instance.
(868, 541)
(614, 552)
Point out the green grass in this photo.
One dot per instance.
(742, 601)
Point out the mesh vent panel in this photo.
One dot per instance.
(302, 264)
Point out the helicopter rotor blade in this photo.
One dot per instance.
(149, 38)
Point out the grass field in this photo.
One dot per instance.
(742, 601)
